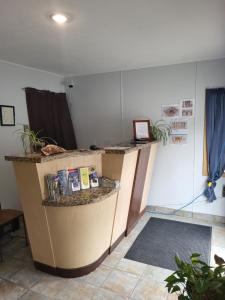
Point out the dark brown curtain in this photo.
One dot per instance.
(49, 112)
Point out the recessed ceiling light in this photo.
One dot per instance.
(60, 18)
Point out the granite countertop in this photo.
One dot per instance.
(128, 147)
(83, 197)
(122, 148)
(40, 158)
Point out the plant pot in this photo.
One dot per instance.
(37, 148)
(211, 295)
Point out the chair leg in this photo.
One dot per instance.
(25, 231)
(15, 224)
(1, 233)
(1, 256)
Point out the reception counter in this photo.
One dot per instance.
(72, 236)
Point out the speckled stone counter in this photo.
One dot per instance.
(124, 148)
(40, 158)
(83, 197)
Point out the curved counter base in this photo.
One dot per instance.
(71, 273)
(80, 235)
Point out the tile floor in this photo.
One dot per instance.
(117, 277)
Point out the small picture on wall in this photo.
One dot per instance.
(187, 103)
(171, 111)
(7, 115)
(187, 108)
(187, 113)
(179, 126)
(178, 139)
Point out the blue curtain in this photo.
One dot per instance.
(215, 135)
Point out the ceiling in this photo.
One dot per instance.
(110, 35)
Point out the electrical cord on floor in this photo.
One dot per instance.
(176, 210)
(171, 205)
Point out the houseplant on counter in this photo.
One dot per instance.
(160, 131)
(31, 141)
(197, 280)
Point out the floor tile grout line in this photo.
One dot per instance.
(104, 279)
(120, 271)
(135, 287)
(25, 289)
(23, 294)
(101, 285)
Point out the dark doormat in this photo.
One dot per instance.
(161, 239)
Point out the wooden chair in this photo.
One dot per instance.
(10, 218)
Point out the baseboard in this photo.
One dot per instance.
(116, 243)
(187, 214)
(71, 273)
(129, 229)
(142, 212)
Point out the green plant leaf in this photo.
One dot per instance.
(170, 278)
(33, 137)
(197, 280)
(195, 255)
(176, 288)
(182, 297)
(160, 131)
(178, 261)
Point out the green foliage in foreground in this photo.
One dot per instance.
(197, 280)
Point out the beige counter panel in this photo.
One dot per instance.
(34, 212)
(121, 167)
(81, 234)
(148, 178)
(112, 165)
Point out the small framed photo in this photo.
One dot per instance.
(187, 113)
(179, 126)
(187, 103)
(7, 115)
(171, 111)
(178, 139)
(187, 108)
(142, 130)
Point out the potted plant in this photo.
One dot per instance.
(197, 280)
(160, 131)
(31, 141)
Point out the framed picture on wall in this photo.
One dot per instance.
(7, 115)
(171, 111)
(142, 130)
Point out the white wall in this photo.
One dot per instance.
(96, 111)
(144, 93)
(12, 79)
(103, 106)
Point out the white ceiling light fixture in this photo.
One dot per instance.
(60, 18)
